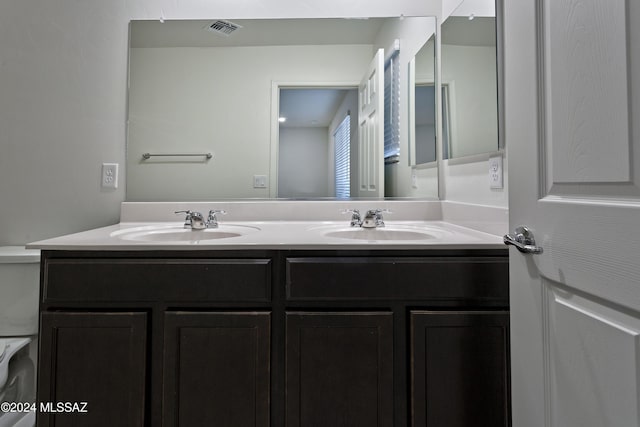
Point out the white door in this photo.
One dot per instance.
(572, 126)
(371, 130)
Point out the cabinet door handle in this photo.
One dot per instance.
(523, 240)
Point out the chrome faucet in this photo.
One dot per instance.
(195, 220)
(372, 219)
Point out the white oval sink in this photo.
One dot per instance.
(177, 234)
(379, 234)
(394, 232)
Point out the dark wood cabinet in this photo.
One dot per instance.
(97, 358)
(339, 369)
(460, 368)
(216, 369)
(276, 338)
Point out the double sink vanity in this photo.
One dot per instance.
(290, 313)
(300, 321)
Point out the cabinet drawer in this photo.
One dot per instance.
(173, 280)
(398, 278)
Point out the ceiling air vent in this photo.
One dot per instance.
(224, 28)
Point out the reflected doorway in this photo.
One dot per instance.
(309, 124)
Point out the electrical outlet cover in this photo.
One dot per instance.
(109, 175)
(495, 172)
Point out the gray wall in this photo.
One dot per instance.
(303, 165)
(62, 113)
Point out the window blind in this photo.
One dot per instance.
(392, 107)
(342, 144)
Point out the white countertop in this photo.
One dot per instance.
(271, 235)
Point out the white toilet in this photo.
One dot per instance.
(19, 289)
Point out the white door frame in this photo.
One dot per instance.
(276, 85)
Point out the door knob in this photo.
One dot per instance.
(523, 239)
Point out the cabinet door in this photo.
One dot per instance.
(216, 369)
(98, 358)
(459, 369)
(339, 370)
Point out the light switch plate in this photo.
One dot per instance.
(495, 172)
(259, 181)
(109, 175)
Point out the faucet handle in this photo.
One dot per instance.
(214, 212)
(356, 219)
(377, 214)
(212, 220)
(187, 219)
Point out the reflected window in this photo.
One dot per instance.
(342, 141)
(391, 108)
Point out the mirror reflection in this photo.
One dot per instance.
(422, 106)
(235, 88)
(469, 80)
(314, 142)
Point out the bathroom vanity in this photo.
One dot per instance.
(365, 334)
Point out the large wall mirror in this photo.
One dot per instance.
(235, 109)
(469, 80)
